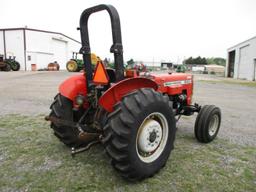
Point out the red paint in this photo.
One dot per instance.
(160, 79)
(76, 85)
(131, 73)
(73, 86)
(116, 92)
(174, 90)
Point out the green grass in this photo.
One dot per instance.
(32, 159)
(233, 82)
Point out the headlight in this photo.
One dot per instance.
(80, 100)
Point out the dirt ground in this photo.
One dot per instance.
(31, 93)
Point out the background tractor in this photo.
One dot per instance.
(134, 117)
(15, 65)
(76, 65)
(181, 68)
(3, 65)
(9, 64)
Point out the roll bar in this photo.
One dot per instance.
(116, 48)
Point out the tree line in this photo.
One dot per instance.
(204, 61)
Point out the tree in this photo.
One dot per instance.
(217, 61)
(204, 61)
(189, 60)
(131, 62)
(198, 60)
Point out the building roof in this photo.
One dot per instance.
(242, 43)
(38, 30)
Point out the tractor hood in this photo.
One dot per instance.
(172, 79)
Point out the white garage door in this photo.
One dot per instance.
(42, 60)
(60, 52)
(39, 58)
(245, 68)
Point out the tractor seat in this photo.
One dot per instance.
(111, 74)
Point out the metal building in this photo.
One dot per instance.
(241, 60)
(32, 46)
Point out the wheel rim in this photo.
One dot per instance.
(15, 66)
(213, 125)
(152, 137)
(71, 66)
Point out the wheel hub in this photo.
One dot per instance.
(71, 66)
(152, 137)
(213, 125)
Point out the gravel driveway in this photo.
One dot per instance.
(31, 93)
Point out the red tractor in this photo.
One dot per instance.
(134, 117)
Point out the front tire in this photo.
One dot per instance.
(207, 123)
(15, 66)
(139, 134)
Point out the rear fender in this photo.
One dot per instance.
(116, 92)
(73, 86)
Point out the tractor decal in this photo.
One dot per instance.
(183, 82)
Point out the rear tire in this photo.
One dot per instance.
(207, 123)
(139, 134)
(15, 66)
(7, 68)
(72, 66)
(62, 108)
